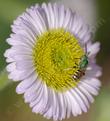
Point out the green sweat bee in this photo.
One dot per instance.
(82, 67)
(84, 62)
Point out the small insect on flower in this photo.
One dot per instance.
(84, 62)
(82, 67)
(49, 61)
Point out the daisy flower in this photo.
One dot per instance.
(53, 57)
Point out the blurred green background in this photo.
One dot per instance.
(12, 107)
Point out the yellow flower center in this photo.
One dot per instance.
(56, 55)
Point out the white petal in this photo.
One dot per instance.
(22, 87)
(33, 89)
(83, 97)
(86, 93)
(93, 49)
(24, 65)
(55, 8)
(44, 6)
(21, 49)
(33, 97)
(39, 103)
(62, 112)
(11, 67)
(49, 108)
(93, 82)
(57, 113)
(79, 100)
(7, 55)
(75, 23)
(78, 26)
(68, 106)
(51, 16)
(14, 75)
(89, 88)
(84, 34)
(93, 70)
(67, 18)
(48, 114)
(37, 21)
(74, 106)
(17, 75)
(44, 97)
(62, 15)
(54, 105)
(21, 40)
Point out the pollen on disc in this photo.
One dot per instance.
(56, 56)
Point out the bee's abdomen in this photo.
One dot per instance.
(78, 75)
